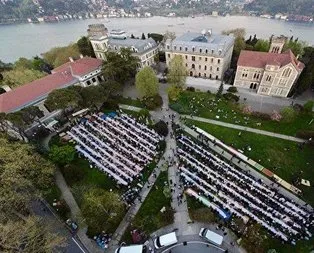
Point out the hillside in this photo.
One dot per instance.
(293, 7)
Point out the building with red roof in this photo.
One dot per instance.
(84, 71)
(270, 73)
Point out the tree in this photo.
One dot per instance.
(220, 90)
(66, 98)
(120, 67)
(101, 209)
(94, 96)
(177, 73)
(297, 47)
(23, 63)
(62, 155)
(156, 37)
(85, 47)
(132, 36)
(146, 82)
(161, 128)
(288, 114)
(262, 46)
(30, 235)
(143, 36)
(17, 125)
(60, 55)
(174, 92)
(308, 106)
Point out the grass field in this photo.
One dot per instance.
(204, 105)
(284, 158)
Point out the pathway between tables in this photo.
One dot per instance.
(243, 128)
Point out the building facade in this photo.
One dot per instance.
(204, 54)
(145, 50)
(273, 73)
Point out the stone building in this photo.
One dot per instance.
(270, 73)
(97, 30)
(145, 50)
(204, 54)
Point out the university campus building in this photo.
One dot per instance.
(270, 73)
(204, 54)
(145, 50)
(85, 71)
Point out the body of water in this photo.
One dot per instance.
(27, 40)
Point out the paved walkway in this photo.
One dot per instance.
(243, 128)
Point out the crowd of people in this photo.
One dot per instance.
(116, 144)
(236, 191)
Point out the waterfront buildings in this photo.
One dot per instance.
(84, 71)
(204, 54)
(270, 73)
(145, 50)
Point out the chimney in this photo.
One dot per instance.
(81, 56)
(71, 59)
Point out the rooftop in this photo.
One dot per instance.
(37, 90)
(138, 45)
(200, 42)
(261, 59)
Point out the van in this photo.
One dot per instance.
(211, 236)
(131, 249)
(165, 240)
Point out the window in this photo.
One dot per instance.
(218, 69)
(211, 68)
(206, 51)
(205, 58)
(212, 51)
(88, 82)
(205, 67)
(186, 49)
(175, 47)
(193, 49)
(268, 78)
(199, 74)
(99, 78)
(180, 48)
(212, 60)
(186, 64)
(286, 72)
(199, 66)
(200, 50)
(193, 58)
(244, 74)
(193, 66)
(200, 58)
(168, 47)
(218, 61)
(94, 79)
(186, 57)
(168, 55)
(204, 74)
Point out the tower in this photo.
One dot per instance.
(277, 44)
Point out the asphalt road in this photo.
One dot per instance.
(195, 247)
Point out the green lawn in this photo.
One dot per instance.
(199, 212)
(283, 157)
(130, 101)
(204, 105)
(149, 218)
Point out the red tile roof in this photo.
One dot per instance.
(256, 59)
(23, 95)
(80, 67)
(37, 90)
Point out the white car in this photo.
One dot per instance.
(165, 240)
(211, 236)
(131, 249)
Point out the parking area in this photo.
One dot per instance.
(195, 247)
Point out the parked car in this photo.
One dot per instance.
(211, 236)
(165, 240)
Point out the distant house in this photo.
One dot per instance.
(270, 73)
(84, 71)
(145, 50)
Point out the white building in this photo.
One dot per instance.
(204, 54)
(145, 50)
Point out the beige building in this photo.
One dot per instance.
(204, 54)
(273, 73)
(145, 50)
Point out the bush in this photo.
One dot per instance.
(174, 92)
(153, 102)
(231, 97)
(110, 104)
(262, 116)
(275, 116)
(192, 89)
(298, 107)
(162, 146)
(144, 113)
(288, 114)
(73, 174)
(308, 106)
(232, 89)
(161, 128)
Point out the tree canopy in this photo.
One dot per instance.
(94, 96)
(120, 67)
(62, 155)
(85, 47)
(67, 98)
(177, 74)
(60, 55)
(146, 82)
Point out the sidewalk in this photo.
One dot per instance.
(243, 128)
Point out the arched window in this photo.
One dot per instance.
(193, 49)
(199, 74)
(205, 67)
(200, 50)
(287, 72)
(193, 66)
